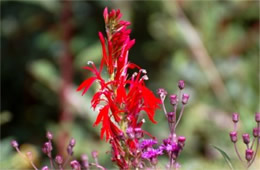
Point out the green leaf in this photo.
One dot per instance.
(226, 157)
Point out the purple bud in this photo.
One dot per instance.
(235, 117)
(121, 136)
(45, 168)
(233, 136)
(94, 154)
(181, 141)
(59, 159)
(249, 154)
(138, 133)
(257, 117)
(130, 133)
(185, 98)
(75, 165)
(72, 142)
(181, 84)
(162, 93)
(70, 150)
(85, 163)
(47, 148)
(49, 135)
(246, 138)
(255, 132)
(173, 99)
(29, 155)
(14, 143)
(171, 117)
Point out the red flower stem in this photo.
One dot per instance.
(257, 146)
(51, 161)
(179, 118)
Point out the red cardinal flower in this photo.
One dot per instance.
(123, 97)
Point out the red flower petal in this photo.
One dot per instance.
(86, 84)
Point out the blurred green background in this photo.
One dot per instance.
(212, 45)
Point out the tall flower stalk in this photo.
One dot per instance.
(123, 96)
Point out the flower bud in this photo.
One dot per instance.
(14, 143)
(233, 136)
(185, 98)
(72, 142)
(173, 99)
(49, 135)
(235, 117)
(45, 168)
(138, 133)
(246, 138)
(75, 165)
(162, 93)
(181, 141)
(171, 117)
(94, 154)
(255, 132)
(47, 148)
(181, 84)
(257, 117)
(59, 159)
(249, 154)
(85, 163)
(70, 150)
(29, 155)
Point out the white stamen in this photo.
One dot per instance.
(143, 71)
(90, 62)
(143, 120)
(145, 77)
(134, 74)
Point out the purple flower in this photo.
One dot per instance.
(181, 84)
(147, 143)
(151, 153)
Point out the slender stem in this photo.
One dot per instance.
(235, 145)
(179, 118)
(98, 166)
(60, 166)
(51, 161)
(253, 143)
(235, 127)
(164, 109)
(22, 155)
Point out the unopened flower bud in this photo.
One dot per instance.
(154, 160)
(162, 93)
(59, 159)
(138, 133)
(181, 141)
(181, 84)
(45, 168)
(249, 154)
(47, 148)
(29, 155)
(75, 165)
(235, 117)
(185, 98)
(14, 143)
(173, 99)
(94, 154)
(49, 135)
(72, 142)
(257, 117)
(246, 138)
(233, 136)
(255, 132)
(171, 117)
(85, 163)
(70, 150)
